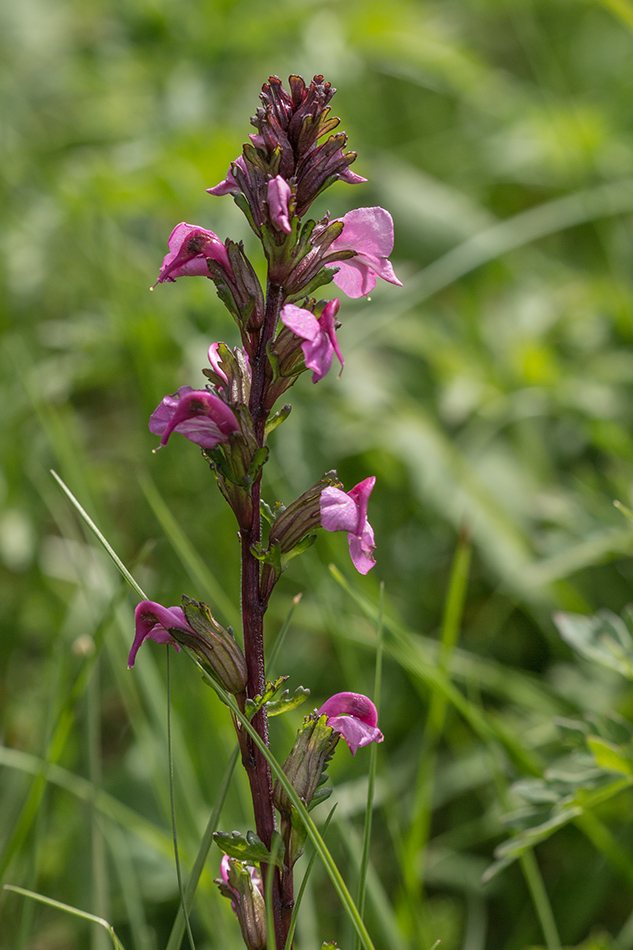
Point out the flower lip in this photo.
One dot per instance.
(199, 415)
(229, 185)
(368, 232)
(189, 249)
(152, 622)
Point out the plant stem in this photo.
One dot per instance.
(253, 610)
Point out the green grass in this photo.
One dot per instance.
(491, 396)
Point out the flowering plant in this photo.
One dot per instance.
(284, 332)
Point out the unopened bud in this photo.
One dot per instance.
(306, 763)
(242, 885)
(214, 646)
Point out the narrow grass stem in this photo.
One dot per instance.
(304, 884)
(74, 911)
(540, 900)
(98, 859)
(415, 843)
(100, 537)
(373, 760)
(172, 804)
(178, 927)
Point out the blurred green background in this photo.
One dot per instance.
(492, 393)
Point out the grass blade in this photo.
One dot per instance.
(74, 911)
(100, 537)
(373, 761)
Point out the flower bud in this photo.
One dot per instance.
(230, 373)
(240, 290)
(214, 646)
(285, 148)
(241, 883)
(307, 761)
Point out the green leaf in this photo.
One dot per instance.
(271, 555)
(324, 276)
(286, 702)
(277, 419)
(321, 795)
(603, 638)
(266, 512)
(249, 849)
(609, 756)
(259, 459)
(299, 548)
(252, 705)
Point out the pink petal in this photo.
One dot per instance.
(354, 278)
(279, 193)
(152, 621)
(361, 548)
(351, 177)
(367, 230)
(328, 326)
(189, 249)
(214, 359)
(300, 321)
(355, 717)
(360, 494)
(229, 186)
(199, 415)
(339, 512)
(356, 733)
(350, 704)
(318, 355)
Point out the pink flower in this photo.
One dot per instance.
(369, 232)
(318, 333)
(189, 249)
(199, 415)
(279, 193)
(152, 623)
(355, 717)
(229, 186)
(341, 511)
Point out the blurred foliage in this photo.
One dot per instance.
(493, 391)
